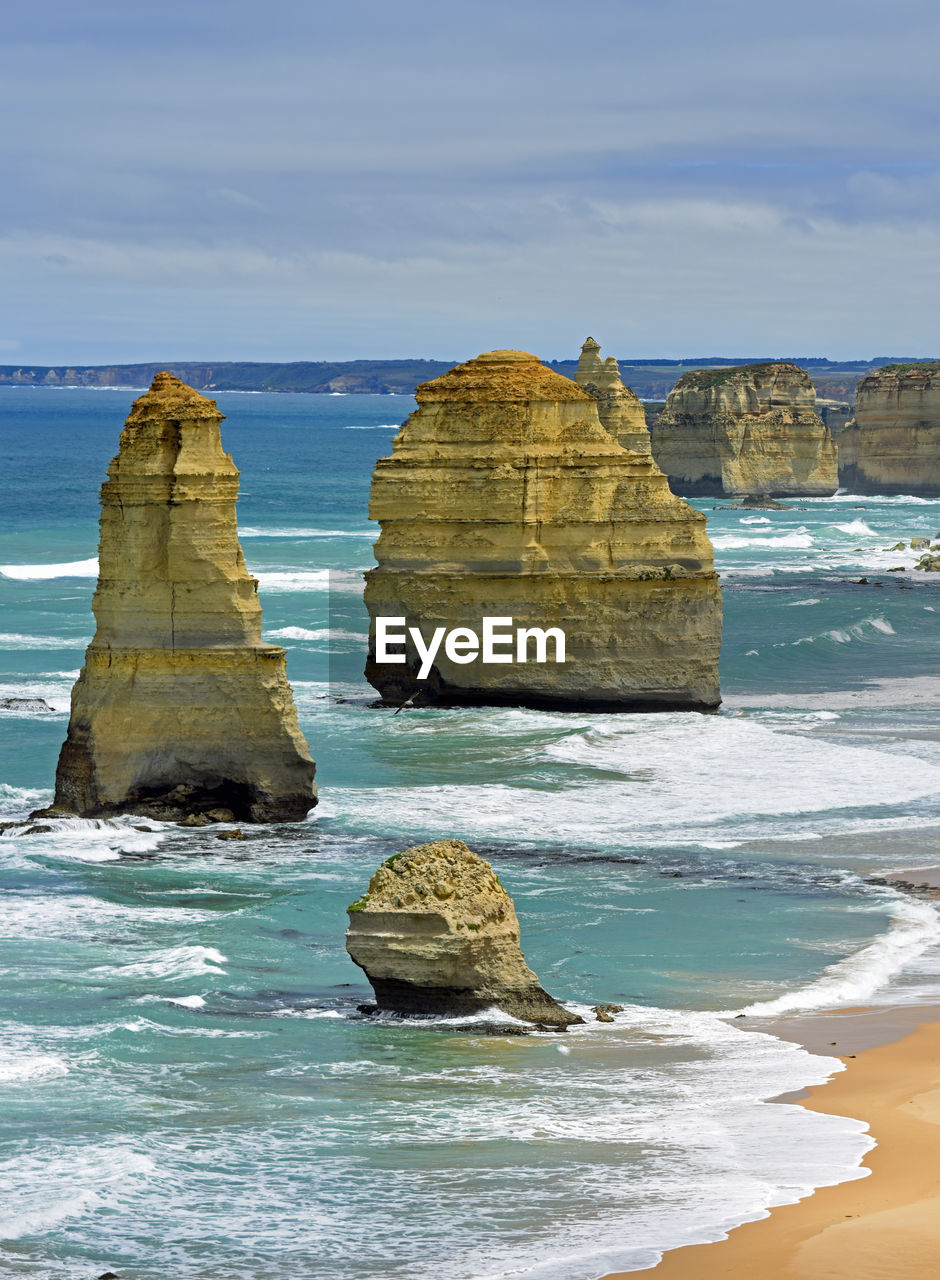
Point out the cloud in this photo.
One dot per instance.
(383, 175)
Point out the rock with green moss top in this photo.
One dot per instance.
(746, 430)
(436, 933)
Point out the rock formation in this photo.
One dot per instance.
(180, 708)
(752, 429)
(436, 933)
(892, 445)
(505, 497)
(620, 411)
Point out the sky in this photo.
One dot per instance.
(301, 180)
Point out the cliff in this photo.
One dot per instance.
(748, 430)
(180, 707)
(618, 408)
(436, 933)
(893, 443)
(505, 497)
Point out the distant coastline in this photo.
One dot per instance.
(651, 379)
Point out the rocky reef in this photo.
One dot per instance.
(505, 497)
(618, 408)
(180, 709)
(436, 933)
(892, 445)
(752, 429)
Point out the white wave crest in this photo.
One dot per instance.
(15, 640)
(39, 572)
(17, 1065)
(309, 579)
(858, 527)
(250, 532)
(321, 633)
(186, 961)
(737, 541)
(20, 801)
(915, 928)
(750, 780)
(48, 1186)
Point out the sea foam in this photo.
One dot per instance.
(38, 572)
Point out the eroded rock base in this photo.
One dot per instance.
(531, 1004)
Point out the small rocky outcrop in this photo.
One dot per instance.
(436, 933)
(892, 445)
(752, 429)
(15, 703)
(619, 409)
(180, 711)
(505, 497)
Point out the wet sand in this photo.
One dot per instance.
(885, 1226)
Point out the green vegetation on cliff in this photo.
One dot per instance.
(651, 379)
(913, 366)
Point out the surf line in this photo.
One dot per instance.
(464, 644)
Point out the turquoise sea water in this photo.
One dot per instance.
(188, 1089)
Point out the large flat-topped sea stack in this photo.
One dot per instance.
(893, 443)
(744, 431)
(619, 409)
(180, 708)
(436, 933)
(505, 497)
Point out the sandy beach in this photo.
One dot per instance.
(885, 1226)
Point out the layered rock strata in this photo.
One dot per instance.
(180, 708)
(892, 445)
(619, 409)
(746, 430)
(436, 933)
(505, 497)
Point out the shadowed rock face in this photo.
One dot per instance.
(892, 445)
(506, 497)
(180, 707)
(618, 408)
(436, 933)
(747, 430)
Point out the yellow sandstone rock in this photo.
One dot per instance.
(892, 445)
(748, 430)
(505, 497)
(436, 933)
(619, 409)
(180, 707)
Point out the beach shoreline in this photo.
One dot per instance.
(881, 1226)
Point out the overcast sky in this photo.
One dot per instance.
(302, 180)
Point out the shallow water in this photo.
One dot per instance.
(188, 1087)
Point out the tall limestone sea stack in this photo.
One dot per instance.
(892, 445)
(745, 431)
(505, 497)
(619, 409)
(180, 708)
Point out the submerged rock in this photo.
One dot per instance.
(605, 1012)
(15, 703)
(892, 445)
(505, 497)
(180, 708)
(619, 409)
(751, 429)
(436, 933)
(757, 502)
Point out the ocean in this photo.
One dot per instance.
(188, 1088)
